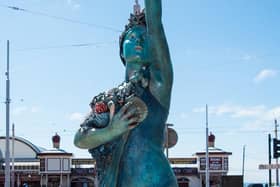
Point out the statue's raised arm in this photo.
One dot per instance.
(161, 67)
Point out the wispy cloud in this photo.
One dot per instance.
(19, 110)
(76, 116)
(34, 109)
(25, 109)
(233, 111)
(248, 57)
(257, 117)
(265, 74)
(183, 115)
(74, 4)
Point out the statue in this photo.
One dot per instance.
(125, 130)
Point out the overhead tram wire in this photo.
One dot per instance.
(232, 131)
(227, 131)
(66, 46)
(15, 8)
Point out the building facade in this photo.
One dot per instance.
(34, 166)
(218, 160)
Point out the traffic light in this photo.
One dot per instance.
(276, 148)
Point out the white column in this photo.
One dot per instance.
(60, 185)
(18, 181)
(68, 180)
(41, 180)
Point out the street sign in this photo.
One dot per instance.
(269, 166)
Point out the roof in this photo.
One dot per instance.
(55, 151)
(35, 148)
(214, 151)
(37, 163)
(23, 149)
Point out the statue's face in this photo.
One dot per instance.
(135, 49)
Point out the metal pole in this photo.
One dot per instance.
(269, 159)
(13, 155)
(167, 139)
(243, 162)
(277, 171)
(167, 151)
(207, 151)
(7, 153)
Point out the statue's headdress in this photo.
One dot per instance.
(138, 18)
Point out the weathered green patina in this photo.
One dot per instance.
(125, 131)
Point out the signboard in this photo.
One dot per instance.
(171, 139)
(215, 163)
(183, 160)
(269, 166)
(185, 171)
(82, 171)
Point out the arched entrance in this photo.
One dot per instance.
(183, 182)
(82, 182)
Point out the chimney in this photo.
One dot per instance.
(211, 140)
(56, 141)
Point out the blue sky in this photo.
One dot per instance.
(225, 54)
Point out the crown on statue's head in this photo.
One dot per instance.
(137, 18)
(136, 8)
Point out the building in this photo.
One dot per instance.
(37, 166)
(218, 163)
(190, 172)
(40, 167)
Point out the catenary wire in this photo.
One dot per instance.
(15, 8)
(96, 44)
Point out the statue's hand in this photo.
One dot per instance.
(124, 120)
(129, 116)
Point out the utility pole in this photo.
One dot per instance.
(207, 151)
(277, 171)
(7, 153)
(269, 159)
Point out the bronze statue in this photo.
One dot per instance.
(125, 130)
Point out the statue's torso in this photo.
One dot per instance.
(143, 163)
(138, 160)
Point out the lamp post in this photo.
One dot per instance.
(207, 151)
(7, 153)
(276, 136)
